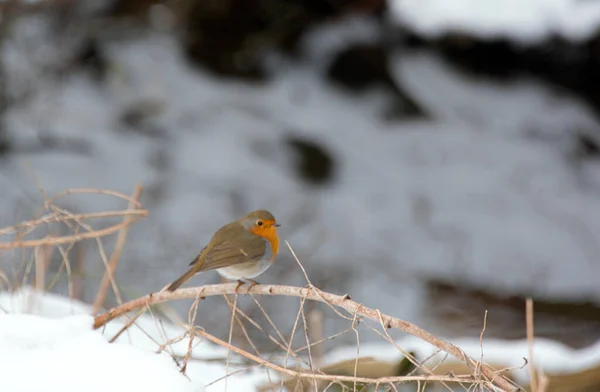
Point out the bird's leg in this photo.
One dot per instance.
(240, 283)
(252, 283)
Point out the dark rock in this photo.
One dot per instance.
(130, 7)
(360, 67)
(493, 58)
(461, 309)
(91, 58)
(366, 65)
(224, 36)
(586, 147)
(5, 145)
(138, 117)
(315, 163)
(574, 66)
(229, 37)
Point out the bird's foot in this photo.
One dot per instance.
(252, 283)
(241, 283)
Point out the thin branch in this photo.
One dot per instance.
(108, 277)
(55, 217)
(327, 377)
(313, 294)
(315, 327)
(67, 239)
(529, 320)
(74, 191)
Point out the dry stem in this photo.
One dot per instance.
(116, 256)
(313, 294)
(529, 319)
(327, 377)
(67, 239)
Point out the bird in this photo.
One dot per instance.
(240, 250)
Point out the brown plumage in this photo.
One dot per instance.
(239, 250)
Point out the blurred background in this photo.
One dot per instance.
(432, 158)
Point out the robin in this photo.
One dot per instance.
(239, 250)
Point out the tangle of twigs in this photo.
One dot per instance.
(313, 294)
(341, 305)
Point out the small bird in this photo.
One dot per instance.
(239, 250)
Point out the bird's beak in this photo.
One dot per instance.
(277, 225)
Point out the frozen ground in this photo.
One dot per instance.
(47, 344)
(65, 355)
(486, 191)
(525, 21)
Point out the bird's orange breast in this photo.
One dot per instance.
(270, 234)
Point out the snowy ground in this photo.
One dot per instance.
(53, 335)
(65, 355)
(524, 21)
(485, 191)
(47, 344)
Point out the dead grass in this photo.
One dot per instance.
(291, 367)
(37, 247)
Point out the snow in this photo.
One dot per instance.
(484, 192)
(53, 336)
(46, 343)
(65, 355)
(550, 356)
(524, 21)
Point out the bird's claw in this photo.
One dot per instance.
(241, 283)
(252, 283)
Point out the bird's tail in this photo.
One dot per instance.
(184, 278)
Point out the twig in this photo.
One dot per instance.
(315, 326)
(311, 364)
(42, 255)
(78, 271)
(292, 334)
(271, 323)
(241, 328)
(127, 325)
(529, 320)
(89, 229)
(327, 377)
(66, 239)
(481, 336)
(116, 256)
(315, 295)
(66, 265)
(55, 218)
(407, 355)
(192, 316)
(74, 191)
(353, 325)
(259, 328)
(231, 325)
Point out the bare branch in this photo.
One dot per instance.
(116, 256)
(312, 294)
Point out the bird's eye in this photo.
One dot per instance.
(259, 223)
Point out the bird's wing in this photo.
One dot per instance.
(239, 247)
